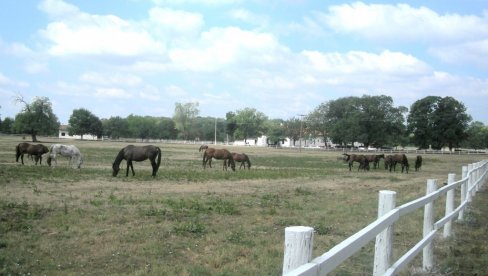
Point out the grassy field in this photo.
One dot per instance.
(191, 221)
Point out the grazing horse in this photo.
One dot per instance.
(33, 150)
(418, 163)
(361, 159)
(70, 151)
(375, 159)
(388, 161)
(137, 153)
(219, 154)
(243, 159)
(399, 158)
(202, 147)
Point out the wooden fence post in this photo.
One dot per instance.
(463, 192)
(384, 241)
(298, 247)
(449, 205)
(428, 251)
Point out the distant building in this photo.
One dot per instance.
(63, 134)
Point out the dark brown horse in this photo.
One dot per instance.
(219, 154)
(137, 153)
(34, 150)
(375, 159)
(399, 158)
(202, 147)
(243, 159)
(418, 163)
(361, 159)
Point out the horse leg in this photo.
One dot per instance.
(127, 171)
(154, 167)
(22, 158)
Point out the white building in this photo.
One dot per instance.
(63, 134)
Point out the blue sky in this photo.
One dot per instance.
(284, 58)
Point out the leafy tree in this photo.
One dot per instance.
(231, 124)
(141, 127)
(293, 128)
(115, 127)
(250, 123)
(275, 130)
(7, 125)
(36, 118)
(183, 117)
(438, 122)
(165, 128)
(82, 122)
(477, 136)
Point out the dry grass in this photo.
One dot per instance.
(187, 220)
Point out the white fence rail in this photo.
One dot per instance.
(297, 260)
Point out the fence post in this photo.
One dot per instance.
(463, 191)
(298, 247)
(449, 205)
(469, 196)
(428, 251)
(384, 241)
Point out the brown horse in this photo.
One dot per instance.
(418, 163)
(243, 159)
(202, 147)
(219, 154)
(375, 159)
(137, 153)
(34, 150)
(399, 158)
(361, 159)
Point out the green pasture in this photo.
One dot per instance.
(191, 221)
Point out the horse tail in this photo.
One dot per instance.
(159, 159)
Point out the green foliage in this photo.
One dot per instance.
(82, 121)
(250, 123)
(183, 117)
(36, 118)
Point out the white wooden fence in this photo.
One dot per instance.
(299, 239)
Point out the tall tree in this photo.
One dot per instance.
(293, 128)
(250, 122)
(36, 118)
(477, 136)
(82, 122)
(7, 125)
(183, 116)
(115, 127)
(231, 124)
(438, 122)
(275, 130)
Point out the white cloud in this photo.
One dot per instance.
(82, 33)
(196, 2)
(403, 22)
(176, 21)
(110, 79)
(112, 93)
(220, 47)
(471, 52)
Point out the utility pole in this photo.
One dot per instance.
(301, 128)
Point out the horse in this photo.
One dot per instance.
(202, 147)
(418, 163)
(375, 159)
(70, 151)
(34, 150)
(137, 153)
(399, 158)
(361, 159)
(243, 159)
(219, 154)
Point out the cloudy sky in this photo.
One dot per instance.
(284, 58)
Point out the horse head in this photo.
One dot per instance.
(116, 169)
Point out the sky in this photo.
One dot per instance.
(283, 58)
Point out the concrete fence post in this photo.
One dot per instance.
(428, 251)
(298, 247)
(383, 249)
(463, 192)
(449, 205)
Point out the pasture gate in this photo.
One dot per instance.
(299, 239)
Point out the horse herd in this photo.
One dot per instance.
(390, 161)
(132, 153)
(129, 153)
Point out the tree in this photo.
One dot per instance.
(250, 123)
(293, 128)
(438, 122)
(7, 125)
(275, 130)
(83, 122)
(36, 118)
(115, 127)
(477, 136)
(231, 124)
(141, 127)
(183, 117)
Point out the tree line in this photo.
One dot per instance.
(431, 122)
